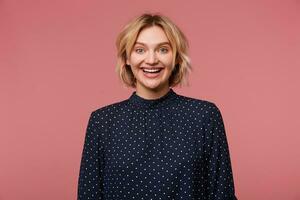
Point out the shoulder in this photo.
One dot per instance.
(201, 105)
(203, 111)
(110, 109)
(103, 116)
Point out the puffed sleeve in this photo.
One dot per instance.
(90, 182)
(218, 171)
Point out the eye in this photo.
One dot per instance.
(164, 50)
(139, 50)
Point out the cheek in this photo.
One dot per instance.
(134, 60)
(167, 61)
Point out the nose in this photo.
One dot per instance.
(151, 58)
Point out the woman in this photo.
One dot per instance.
(156, 144)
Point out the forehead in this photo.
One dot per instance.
(152, 35)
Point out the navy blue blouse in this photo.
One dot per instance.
(173, 147)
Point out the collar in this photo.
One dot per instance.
(162, 101)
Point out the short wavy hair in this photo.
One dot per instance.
(179, 44)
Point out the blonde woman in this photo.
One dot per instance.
(156, 144)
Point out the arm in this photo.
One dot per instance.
(90, 181)
(218, 172)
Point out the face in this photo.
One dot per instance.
(151, 60)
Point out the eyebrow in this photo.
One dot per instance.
(161, 43)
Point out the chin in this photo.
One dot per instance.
(149, 85)
(152, 87)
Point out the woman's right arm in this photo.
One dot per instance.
(90, 182)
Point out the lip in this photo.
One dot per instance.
(152, 75)
(151, 67)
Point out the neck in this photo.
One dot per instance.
(151, 93)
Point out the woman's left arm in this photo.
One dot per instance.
(218, 171)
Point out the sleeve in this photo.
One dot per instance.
(90, 182)
(218, 171)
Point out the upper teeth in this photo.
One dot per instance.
(151, 70)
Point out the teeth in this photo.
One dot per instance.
(151, 70)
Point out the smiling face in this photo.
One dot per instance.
(151, 62)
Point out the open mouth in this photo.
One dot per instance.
(152, 71)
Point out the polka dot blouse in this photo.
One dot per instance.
(173, 147)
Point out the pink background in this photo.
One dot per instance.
(57, 61)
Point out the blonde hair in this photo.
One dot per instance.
(127, 38)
